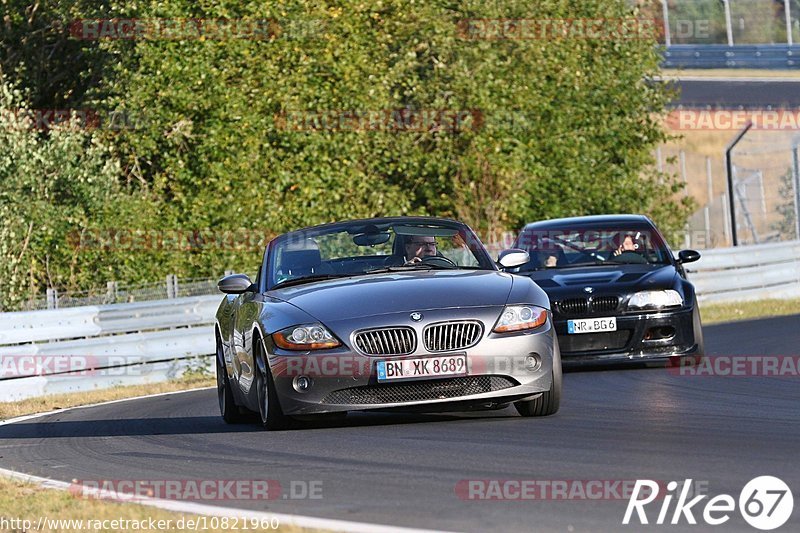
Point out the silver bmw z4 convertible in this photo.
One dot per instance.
(406, 313)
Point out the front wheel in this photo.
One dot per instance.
(230, 412)
(269, 409)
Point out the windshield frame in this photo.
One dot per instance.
(529, 235)
(471, 240)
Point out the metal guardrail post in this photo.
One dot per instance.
(111, 291)
(52, 299)
(788, 12)
(172, 286)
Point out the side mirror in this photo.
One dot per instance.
(513, 257)
(688, 256)
(235, 284)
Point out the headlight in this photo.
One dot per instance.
(519, 317)
(655, 299)
(305, 337)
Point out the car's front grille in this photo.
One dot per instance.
(604, 304)
(585, 306)
(573, 306)
(416, 391)
(594, 342)
(387, 341)
(447, 336)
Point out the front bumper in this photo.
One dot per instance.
(640, 338)
(345, 380)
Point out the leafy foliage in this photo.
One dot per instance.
(554, 127)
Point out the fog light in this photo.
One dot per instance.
(533, 362)
(302, 383)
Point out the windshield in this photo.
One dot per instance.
(566, 248)
(357, 248)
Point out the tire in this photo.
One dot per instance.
(547, 403)
(230, 412)
(270, 413)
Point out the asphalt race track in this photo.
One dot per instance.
(749, 94)
(402, 469)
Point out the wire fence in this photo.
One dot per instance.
(764, 190)
(117, 293)
(731, 22)
(171, 287)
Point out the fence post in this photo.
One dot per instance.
(728, 26)
(788, 12)
(52, 298)
(796, 172)
(172, 286)
(667, 35)
(111, 292)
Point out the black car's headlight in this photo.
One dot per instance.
(305, 337)
(655, 300)
(520, 317)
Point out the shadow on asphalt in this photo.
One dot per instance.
(132, 427)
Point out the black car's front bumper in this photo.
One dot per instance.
(639, 338)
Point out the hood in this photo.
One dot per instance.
(377, 294)
(610, 279)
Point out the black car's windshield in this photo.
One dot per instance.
(359, 247)
(567, 247)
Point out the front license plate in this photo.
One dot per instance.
(591, 325)
(452, 365)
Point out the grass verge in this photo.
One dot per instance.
(28, 507)
(729, 312)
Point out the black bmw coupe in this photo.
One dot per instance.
(617, 293)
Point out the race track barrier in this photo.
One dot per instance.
(742, 273)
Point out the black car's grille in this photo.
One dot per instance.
(604, 304)
(419, 390)
(573, 306)
(387, 341)
(447, 336)
(585, 306)
(596, 342)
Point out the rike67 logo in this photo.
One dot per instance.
(765, 503)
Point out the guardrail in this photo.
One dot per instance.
(754, 272)
(121, 344)
(83, 348)
(700, 56)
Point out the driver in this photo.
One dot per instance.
(628, 245)
(417, 247)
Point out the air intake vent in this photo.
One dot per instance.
(573, 306)
(387, 341)
(604, 304)
(419, 391)
(447, 336)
